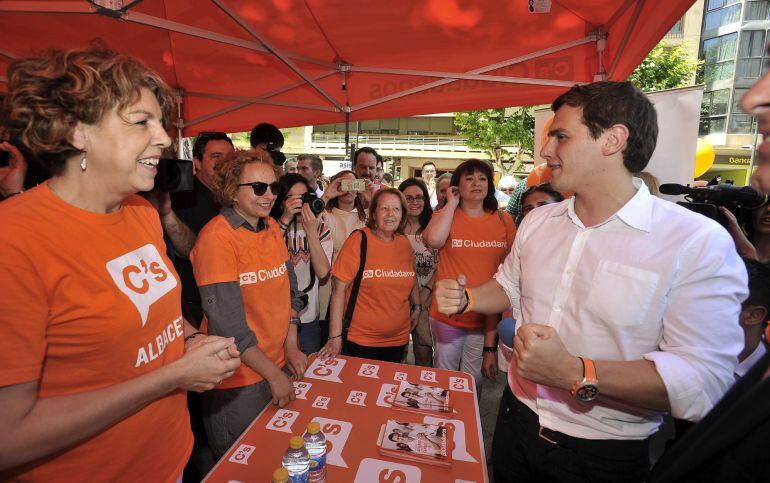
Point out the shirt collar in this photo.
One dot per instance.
(747, 363)
(636, 213)
(235, 220)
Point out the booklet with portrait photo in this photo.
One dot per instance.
(422, 443)
(423, 399)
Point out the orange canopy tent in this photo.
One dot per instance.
(301, 62)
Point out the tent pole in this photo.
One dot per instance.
(179, 124)
(626, 37)
(348, 154)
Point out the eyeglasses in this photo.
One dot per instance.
(260, 188)
(419, 198)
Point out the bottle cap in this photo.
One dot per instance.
(314, 427)
(280, 475)
(296, 442)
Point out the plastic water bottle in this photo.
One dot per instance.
(296, 460)
(281, 475)
(315, 442)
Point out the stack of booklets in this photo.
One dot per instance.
(422, 399)
(421, 443)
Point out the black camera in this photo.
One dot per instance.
(174, 175)
(317, 205)
(706, 200)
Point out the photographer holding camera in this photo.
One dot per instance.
(301, 216)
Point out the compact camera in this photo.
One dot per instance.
(316, 204)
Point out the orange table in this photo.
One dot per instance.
(350, 398)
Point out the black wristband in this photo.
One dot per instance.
(192, 336)
(467, 303)
(489, 349)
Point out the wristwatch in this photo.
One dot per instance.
(586, 389)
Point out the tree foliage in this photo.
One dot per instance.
(665, 67)
(512, 130)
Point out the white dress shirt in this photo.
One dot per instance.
(655, 281)
(748, 363)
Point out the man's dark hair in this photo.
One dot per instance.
(203, 139)
(368, 150)
(544, 188)
(759, 284)
(472, 166)
(604, 104)
(427, 163)
(315, 161)
(266, 133)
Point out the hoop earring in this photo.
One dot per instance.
(83, 163)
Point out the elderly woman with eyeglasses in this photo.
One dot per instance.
(249, 291)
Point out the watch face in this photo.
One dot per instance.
(587, 392)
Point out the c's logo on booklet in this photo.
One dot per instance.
(143, 277)
(242, 454)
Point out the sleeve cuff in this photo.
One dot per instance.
(685, 386)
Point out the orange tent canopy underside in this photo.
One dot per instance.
(303, 62)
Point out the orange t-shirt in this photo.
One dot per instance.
(475, 248)
(258, 262)
(89, 301)
(381, 318)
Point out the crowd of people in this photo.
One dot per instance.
(124, 305)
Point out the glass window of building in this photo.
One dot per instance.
(721, 12)
(719, 58)
(740, 122)
(750, 52)
(756, 10)
(714, 111)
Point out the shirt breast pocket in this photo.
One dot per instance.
(621, 295)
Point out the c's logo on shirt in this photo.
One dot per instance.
(380, 273)
(479, 244)
(262, 275)
(143, 277)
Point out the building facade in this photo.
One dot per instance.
(732, 46)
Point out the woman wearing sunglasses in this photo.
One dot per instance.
(249, 292)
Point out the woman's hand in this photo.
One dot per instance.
(333, 190)
(742, 244)
(12, 176)
(489, 365)
(291, 206)
(453, 197)
(202, 367)
(310, 221)
(230, 352)
(297, 362)
(281, 388)
(331, 349)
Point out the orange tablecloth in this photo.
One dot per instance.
(350, 398)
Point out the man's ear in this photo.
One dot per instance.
(197, 165)
(615, 139)
(753, 315)
(79, 136)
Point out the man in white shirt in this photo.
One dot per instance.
(755, 314)
(311, 167)
(627, 305)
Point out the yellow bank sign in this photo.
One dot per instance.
(733, 160)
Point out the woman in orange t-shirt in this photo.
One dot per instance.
(249, 291)
(388, 305)
(473, 238)
(95, 356)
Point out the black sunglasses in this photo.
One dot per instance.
(260, 188)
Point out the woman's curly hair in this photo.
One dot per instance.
(51, 93)
(227, 173)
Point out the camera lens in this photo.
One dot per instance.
(317, 206)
